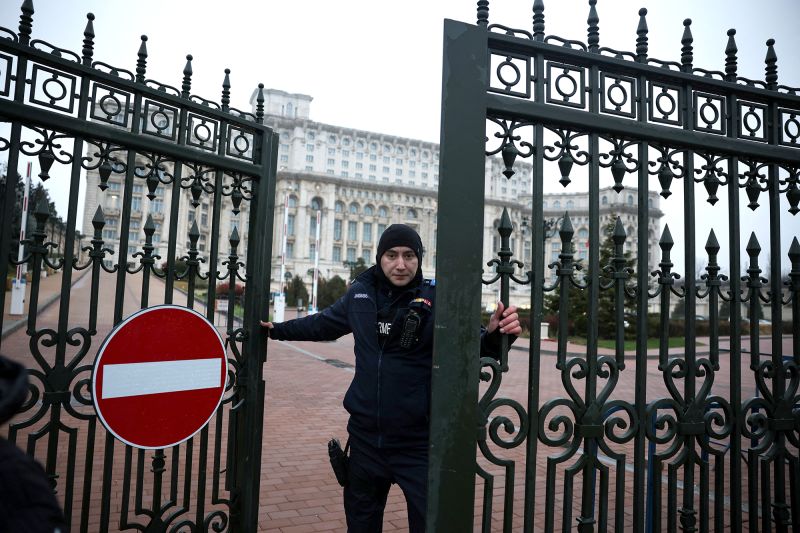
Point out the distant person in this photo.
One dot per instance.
(389, 310)
(27, 503)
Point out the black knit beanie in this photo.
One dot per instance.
(399, 235)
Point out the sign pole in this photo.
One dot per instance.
(316, 268)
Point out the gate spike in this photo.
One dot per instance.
(753, 248)
(565, 163)
(186, 87)
(794, 256)
(141, 63)
(226, 90)
(42, 210)
(149, 226)
(538, 20)
(46, 159)
(771, 70)
(483, 13)
(234, 240)
(26, 22)
(730, 57)
(619, 234)
(593, 34)
(666, 242)
(505, 227)
(641, 39)
(88, 41)
(687, 55)
(194, 235)
(712, 245)
(566, 231)
(98, 221)
(260, 104)
(618, 171)
(509, 153)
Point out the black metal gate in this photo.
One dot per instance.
(699, 438)
(181, 193)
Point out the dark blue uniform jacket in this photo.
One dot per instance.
(389, 397)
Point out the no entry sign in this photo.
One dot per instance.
(159, 376)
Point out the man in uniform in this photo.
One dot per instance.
(389, 311)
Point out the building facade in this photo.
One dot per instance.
(359, 182)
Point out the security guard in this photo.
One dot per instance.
(389, 311)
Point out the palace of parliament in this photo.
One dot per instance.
(361, 182)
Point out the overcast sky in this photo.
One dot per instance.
(376, 65)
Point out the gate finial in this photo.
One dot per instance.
(186, 87)
(794, 257)
(483, 13)
(594, 29)
(226, 90)
(88, 41)
(538, 20)
(772, 66)
(641, 39)
(260, 104)
(26, 22)
(687, 55)
(730, 57)
(141, 63)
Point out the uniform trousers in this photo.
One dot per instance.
(372, 472)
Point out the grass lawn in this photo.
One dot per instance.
(630, 344)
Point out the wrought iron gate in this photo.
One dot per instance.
(699, 438)
(207, 171)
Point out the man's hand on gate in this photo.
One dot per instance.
(505, 319)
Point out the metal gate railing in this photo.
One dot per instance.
(690, 438)
(180, 193)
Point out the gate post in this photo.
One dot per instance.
(250, 415)
(456, 347)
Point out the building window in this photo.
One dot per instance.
(346, 141)
(411, 213)
(556, 204)
(157, 206)
(312, 227)
(309, 168)
(292, 200)
(373, 168)
(373, 157)
(337, 230)
(345, 153)
(366, 253)
(359, 166)
(604, 201)
(312, 250)
(352, 230)
(310, 135)
(337, 253)
(345, 164)
(136, 203)
(339, 207)
(630, 199)
(309, 147)
(369, 210)
(289, 250)
(354, 208)
(284, 158)
(570, 204)
(309, 159)
(331, 138)
(398, 161)
(367, 232)
(359, 155)
(331, 161)
(399, 172)
(385, 170)
(284, 146)
(351, 255)
(383, 212)
(290, 225)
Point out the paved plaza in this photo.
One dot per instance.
(305, 385)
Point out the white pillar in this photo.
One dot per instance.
(19, 284)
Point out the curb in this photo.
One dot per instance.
(14, 326)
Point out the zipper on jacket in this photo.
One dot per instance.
(380, 434)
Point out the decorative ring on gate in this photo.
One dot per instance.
(746, 121)
(515, 70)
(566, 94)
(670, 100)
(610, 94)
(795, 125)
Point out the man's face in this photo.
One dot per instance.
(399, 265)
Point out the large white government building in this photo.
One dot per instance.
(360, 182)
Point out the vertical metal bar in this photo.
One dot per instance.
(174, 210)
(451, 474)
(12, 177)
(688, 511)
(254, 350)
(590, 396)
(640, 388)
(122, 252)
(735, 349)
(538, 276)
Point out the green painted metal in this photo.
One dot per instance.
(96, 118)
(694, 455)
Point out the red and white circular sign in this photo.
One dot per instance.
(159, 376)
